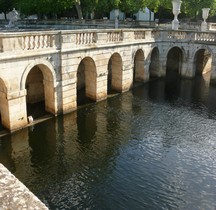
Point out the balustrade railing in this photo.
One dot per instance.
(207, 37)
(139, 35)
(85, 38)
(114, 36)
(71, 40)
(179, 35)
(31, 42)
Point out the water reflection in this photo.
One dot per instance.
(153, 148)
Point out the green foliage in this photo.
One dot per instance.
(6, 5)
(191, 8)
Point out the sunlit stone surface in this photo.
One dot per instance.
(15, 195)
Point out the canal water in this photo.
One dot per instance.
(153, 147)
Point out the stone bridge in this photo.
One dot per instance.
(59, 68)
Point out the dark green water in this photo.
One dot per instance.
(151, 148)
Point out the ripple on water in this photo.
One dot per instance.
(139, 150)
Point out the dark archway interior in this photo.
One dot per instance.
(86, 81)
(35, 97)
(138, 71)
(173, 65)
(154, 65)
(114, 76)
(109, 76)
(173, 69)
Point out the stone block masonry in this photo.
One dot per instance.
(16, 196)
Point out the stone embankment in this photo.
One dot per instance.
(15, 195)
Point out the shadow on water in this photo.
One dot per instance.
(131, 151)
(36, 110)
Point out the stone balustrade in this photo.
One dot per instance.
(31, 42)
(74, 39)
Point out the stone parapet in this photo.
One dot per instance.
(15, 195)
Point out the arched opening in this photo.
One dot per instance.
(173, 64)
(173, 70)
(138, 73)
(114, 77)
(86, 81)
(202, 62)
(3, 105)
(154, 70)
(40, 92)
(35, 97)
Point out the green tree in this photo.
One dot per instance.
(6, 6)
(193, 8)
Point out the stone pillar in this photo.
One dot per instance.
(14, 114)
(187, 69)
(67, 95)
(140, 73)
(91, 85)
(101, 92)
(162, 66)
(51, 104)
(146, 70)
(117, 77)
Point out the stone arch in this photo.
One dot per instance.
(49, 75)
(86, 80)
(174, 62)
(202, 61)
(39, 80)
(114, 76)
(154, 70)
(139, 71)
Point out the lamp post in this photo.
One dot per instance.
(176, 10)
(116, 17)
(205, 13)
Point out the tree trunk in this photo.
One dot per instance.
(79, 9)
(5, 15)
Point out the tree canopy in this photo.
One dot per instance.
(100, 8)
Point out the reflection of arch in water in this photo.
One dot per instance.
(174, 62)
(202, 62)
(114, 73)
(86, 80)
(154, 70)
(86, 126)
(139, 72)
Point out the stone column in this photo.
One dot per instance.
(68, 95)
(187, 68)
(140, 72)
(162, 66)
(101, 92)
(14, 114)
(146, 70)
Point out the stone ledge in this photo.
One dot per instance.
(15, 195)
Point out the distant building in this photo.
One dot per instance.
(145, 15)
(121, 15)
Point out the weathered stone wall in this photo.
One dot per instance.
(58, 55)
(15, 195)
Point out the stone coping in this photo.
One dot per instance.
(16, 196)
